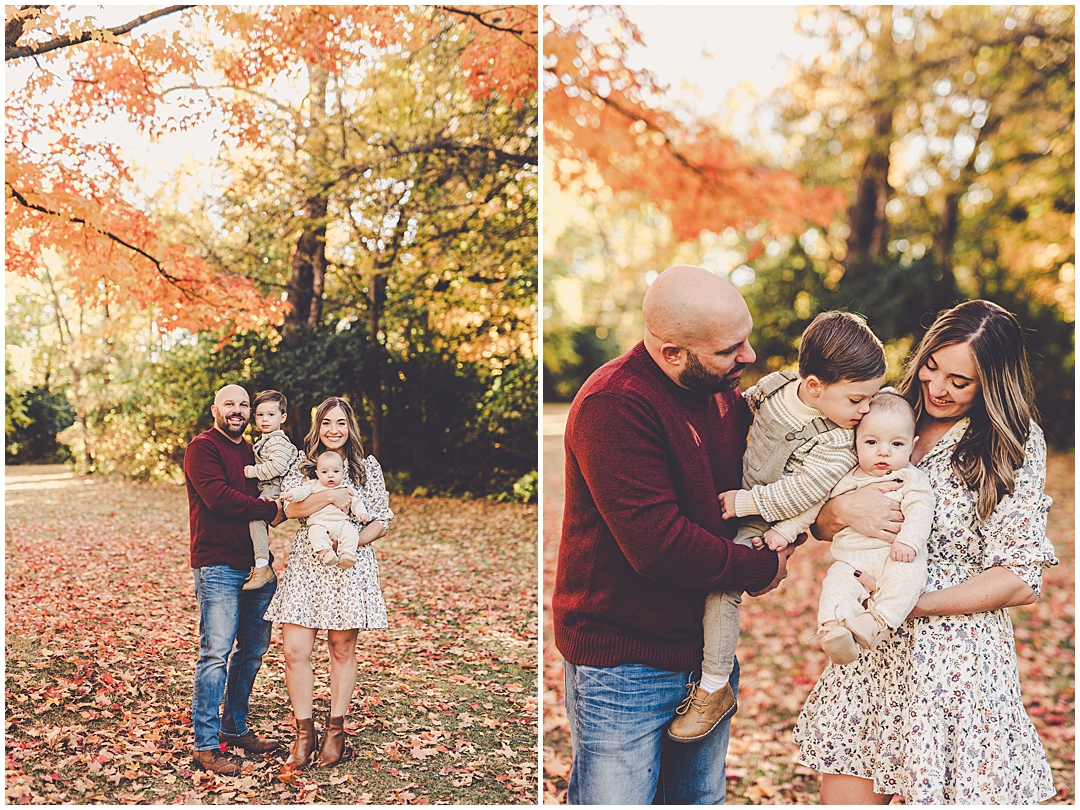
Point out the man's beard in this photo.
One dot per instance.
(223, 425)
(697, 378)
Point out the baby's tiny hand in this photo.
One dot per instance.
(361, 515)
(902, 553)
(727, 503)
(287, 496)
(249, 472)
(775, 541)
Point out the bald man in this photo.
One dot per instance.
(651, 439)
(221, 502)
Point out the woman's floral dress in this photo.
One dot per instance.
(311, 594)
(934, 714)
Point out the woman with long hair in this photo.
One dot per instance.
(312, 596)
(934, 713)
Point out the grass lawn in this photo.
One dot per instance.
(101, 642)
(778, 669)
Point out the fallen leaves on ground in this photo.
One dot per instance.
(101, 643)
(779, 669)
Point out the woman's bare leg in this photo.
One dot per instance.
(298, 642)
(843, 789)
(342, 645)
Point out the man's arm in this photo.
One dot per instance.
(206, 472)
(625, 465)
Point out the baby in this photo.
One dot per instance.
(274, 456)
(800, 445)
(330, 526)
(883, 443)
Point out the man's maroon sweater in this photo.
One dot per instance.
(642, 537)
(221, 501)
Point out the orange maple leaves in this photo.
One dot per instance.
(64, 192)
(601, 112)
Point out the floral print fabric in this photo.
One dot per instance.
(311, 594)
(934, 713)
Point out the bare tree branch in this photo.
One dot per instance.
(13, 51)
(171, 279)
(521, 33)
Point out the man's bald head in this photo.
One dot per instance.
(685, 303)
(231, 410)
(697, 327)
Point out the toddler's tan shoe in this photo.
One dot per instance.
(346, 560)
(700, 713)
(259, 577)
(867, 629)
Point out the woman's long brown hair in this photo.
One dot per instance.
(992, 449)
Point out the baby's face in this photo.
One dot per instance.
(883, 442)
(329, 469)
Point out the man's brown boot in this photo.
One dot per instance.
(700, 713)
(304, 744)
(259, 577)
(333, 744)
(250, 742)
(213, 761)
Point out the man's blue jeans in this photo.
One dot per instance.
(227, 614)
(618, 717)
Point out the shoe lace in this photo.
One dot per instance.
(688, 701)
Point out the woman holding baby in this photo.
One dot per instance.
(313, 594)
(934, 713)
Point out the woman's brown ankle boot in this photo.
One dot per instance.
(304, 744)
(333, 747)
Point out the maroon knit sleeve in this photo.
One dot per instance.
(622, 452)
(205, 469)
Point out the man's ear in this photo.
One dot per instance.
(672, 353)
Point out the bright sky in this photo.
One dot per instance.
(704, 53)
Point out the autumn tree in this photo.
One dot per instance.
(337, 181)
(951, 130)
(640, 164)
(601, 114)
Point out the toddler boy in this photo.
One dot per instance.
(800, 445)
(330, 525)
(274, 455)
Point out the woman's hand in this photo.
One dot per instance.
(866, 510)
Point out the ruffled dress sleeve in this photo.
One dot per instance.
(1015, 534)
(376, 498)
(293, 478)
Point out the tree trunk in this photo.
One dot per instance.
(867, 213)
(376, 299)
(946, 236)
(376, 302)
(308, 270)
